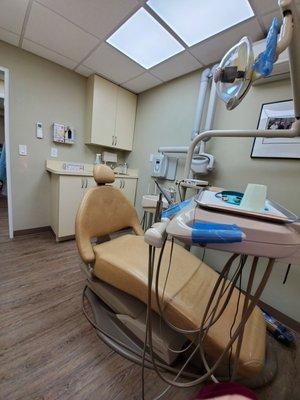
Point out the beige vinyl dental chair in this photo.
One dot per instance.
(117, 281)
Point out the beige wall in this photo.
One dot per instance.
(40, 91)
(165, 117)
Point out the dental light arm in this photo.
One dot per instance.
(286, 33)
(240, 57)
(289, 133)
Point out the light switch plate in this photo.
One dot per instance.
(54, 152)
(23, 150)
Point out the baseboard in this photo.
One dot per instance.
(22, 232)
(281, 317)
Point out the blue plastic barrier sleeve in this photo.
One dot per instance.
(173, 210)
(204, 232)
(264, 64)
(279, 331)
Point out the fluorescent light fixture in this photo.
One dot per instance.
(144, 40)
(196, 20)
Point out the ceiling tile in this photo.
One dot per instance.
(268, 18)
(12, 14)
(98, 17)
(195, 21)
(142, 83)
(85, 71)
(112, 64)
(56, 33)
(9, 37)
(264, 6)
(48, 54)
(178, 65)
(213, 49)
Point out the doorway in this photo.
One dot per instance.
(6, 225)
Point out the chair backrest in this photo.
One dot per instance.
(103, 210)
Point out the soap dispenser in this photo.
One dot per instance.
(98, 159)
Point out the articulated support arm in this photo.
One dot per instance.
(289, 133)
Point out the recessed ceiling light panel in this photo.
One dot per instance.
(197, 20)
(144, 40)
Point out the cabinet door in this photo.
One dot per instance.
(103, 112)
(71, 191)
(90, 182)
(127, 187)
(125, 119)
(118, 183)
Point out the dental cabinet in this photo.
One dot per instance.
(110, 114)
(68, 189)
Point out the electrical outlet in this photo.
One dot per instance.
(54, 152)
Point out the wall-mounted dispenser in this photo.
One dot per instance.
(63, 133)
(159, 165)
(164, 167)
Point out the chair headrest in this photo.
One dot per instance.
(103, 174)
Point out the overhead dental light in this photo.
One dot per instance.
(238, 68)
(234, 75)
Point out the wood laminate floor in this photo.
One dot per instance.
(48, 349)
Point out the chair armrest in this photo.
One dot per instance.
(138, 230)
(85, 249)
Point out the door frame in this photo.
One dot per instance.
(7, 152)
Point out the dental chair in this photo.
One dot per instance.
(116, 267)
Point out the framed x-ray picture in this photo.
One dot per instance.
(278, 115)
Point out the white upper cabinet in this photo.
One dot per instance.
(110, 114)
(125, 118)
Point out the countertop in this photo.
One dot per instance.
(59, 168)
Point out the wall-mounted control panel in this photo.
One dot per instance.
(39, 130)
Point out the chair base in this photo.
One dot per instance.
(111, 322)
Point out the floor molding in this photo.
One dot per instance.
(281, 317)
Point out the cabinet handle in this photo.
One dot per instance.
(116, 140)
(120, 185)
(113, 140)
(86, 183)
(81, 183)
(123, 183)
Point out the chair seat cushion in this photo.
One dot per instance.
(123, 263)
